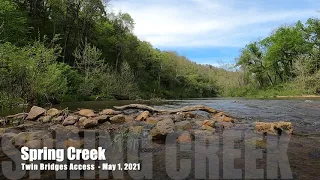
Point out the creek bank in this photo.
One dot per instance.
(188, 123)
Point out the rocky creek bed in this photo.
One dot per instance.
(35, 129)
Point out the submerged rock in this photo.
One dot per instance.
(35, 112)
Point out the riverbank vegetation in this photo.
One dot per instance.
(53, 50)
(285, 63)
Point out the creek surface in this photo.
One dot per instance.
(304, 146)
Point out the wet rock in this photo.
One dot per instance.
(53, 112)
(185, 138)
(45, 119)
(118, 119)
(35, 112)
(70, 120)
(165, 126)
(208, 128)
(57, 120)
(102, 118)
(183, 125)
(86, 112)
(73, 143)
(90, 123)
(109, 112)
(273, 128)
(143, 116)
(152, 121)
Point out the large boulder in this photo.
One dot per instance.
(109, 112)
(273, 128)
(70, 120)
(53, 112)
(183, 125)
(35, 112)
(86, 112)
(143, 116)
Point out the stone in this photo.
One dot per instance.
(86, 112)
(70, 120)
(34, 144)
(49, 143)
(222, 116)
(274, 128)
(35, 112)
(102, 118)
(183, 125)
(45, 119)
(89, 123)
(58, 119)
(155, 134)
(199, 123)
(189, 115)
(185, 138)
(143, 116)
(73, 143)
(208, 128)
(136, 130)
(53, 112)
(152, 121)
(205, 136)
(23, 137)
(210, 123)
(109, 112)
(64, 129)
(165, 126)
(118, 119)
(202, 133)
(178, 117)
(8, 136)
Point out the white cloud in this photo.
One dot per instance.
(204, 23)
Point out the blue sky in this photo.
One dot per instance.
(211, 31)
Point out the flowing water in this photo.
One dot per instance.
(304, 147)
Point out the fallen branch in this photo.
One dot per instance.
(154, 110)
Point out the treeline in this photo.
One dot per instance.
(285, 63)
(62, 50)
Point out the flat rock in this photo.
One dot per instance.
(86, 112)
(35, 112)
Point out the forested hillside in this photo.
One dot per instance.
(63, 50)
(285, 63)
